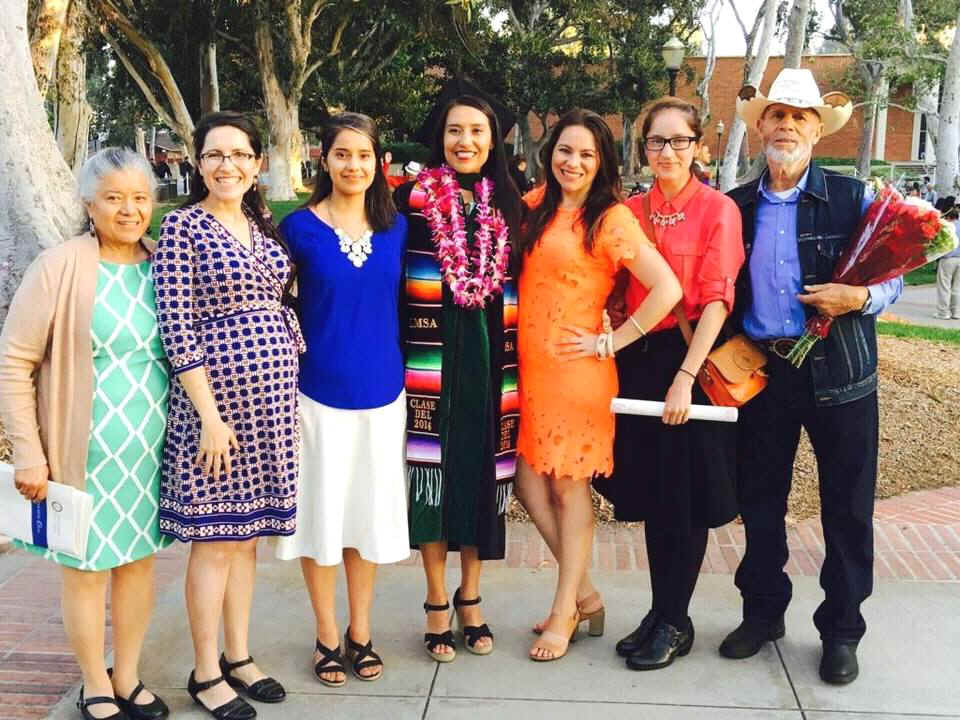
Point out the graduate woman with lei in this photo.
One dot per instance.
(461, 363)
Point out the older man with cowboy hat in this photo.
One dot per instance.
(797, 218)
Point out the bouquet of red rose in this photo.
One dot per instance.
(895, 236)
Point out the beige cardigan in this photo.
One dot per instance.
(46, 361)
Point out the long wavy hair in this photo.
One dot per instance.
(253, 203)
(605, 191)
(506, 195)
(378, 200)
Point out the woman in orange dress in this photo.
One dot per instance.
(577, 238)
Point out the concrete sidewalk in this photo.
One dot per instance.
(910, 658)
(916, 307)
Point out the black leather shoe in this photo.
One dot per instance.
(631, 643)
(664, 644)
(750, 636)
(156, 709)
(266, 690)
(838, 666)
(83, 704)
(236, 709)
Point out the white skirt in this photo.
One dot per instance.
(352, 489)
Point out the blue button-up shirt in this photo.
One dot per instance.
(775, 274)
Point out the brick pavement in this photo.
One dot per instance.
(917, 538)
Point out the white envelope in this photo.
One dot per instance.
(61, 522)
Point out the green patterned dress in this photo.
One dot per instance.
(129, 422)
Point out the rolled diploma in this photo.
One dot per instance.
(626, 406)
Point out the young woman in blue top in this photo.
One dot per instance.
(348, 243)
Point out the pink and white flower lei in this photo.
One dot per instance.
(473, 274)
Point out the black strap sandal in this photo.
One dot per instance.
(434, 640)
(82, 706)
(331, 662)
(236, 709)
(356, 654)
(472, 633)
(156, 709)
(266, 690)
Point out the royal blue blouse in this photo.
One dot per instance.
(349, 315)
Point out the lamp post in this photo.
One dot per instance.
(672, 53)
(720, 129)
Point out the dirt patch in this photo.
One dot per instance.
(919, 428)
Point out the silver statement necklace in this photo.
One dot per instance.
(664, 220)
(357, 250)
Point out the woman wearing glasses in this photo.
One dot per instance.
(231, 459)
(675, 475)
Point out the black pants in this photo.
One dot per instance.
(844, 439)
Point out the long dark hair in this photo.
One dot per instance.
(253, 203)
(506, 195)
(378, 201)
(605, 191)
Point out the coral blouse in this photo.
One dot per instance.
(705, 250)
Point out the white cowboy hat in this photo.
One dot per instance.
(412, 168)
(796, 88)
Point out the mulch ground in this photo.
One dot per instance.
(919, 428)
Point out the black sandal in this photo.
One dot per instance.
(154, 710)
(433, 640)
(356, 654)
(82, 706)
(331, 662)
(236, 709)
(472, 633)
(266, 690)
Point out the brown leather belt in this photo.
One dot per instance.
(780, 347)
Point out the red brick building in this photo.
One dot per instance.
(899, 143)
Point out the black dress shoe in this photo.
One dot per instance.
(838, 666)
(664, 644)
(82, 706)
(631, 643)
(750, 636)
(156, 709)
(266, 690)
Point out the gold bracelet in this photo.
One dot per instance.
(637, 326)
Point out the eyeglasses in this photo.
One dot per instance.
(215, 158)
(681, 142)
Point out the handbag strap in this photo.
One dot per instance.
(647, 225)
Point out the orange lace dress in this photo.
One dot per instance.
(566, 427)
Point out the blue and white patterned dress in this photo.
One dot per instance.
(219, 307)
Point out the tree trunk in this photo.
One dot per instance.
(45, 41)
(948, 132)
(141, 141)
(209, 79)
(796, 33)
(38, 207)
(526, 138)
(755, 67)
(73, 110)
(880, 126)
(873, 76)
(630, 146)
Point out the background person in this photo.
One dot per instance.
(80, 355)
(948, 273)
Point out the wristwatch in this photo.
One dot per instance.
(866, 302)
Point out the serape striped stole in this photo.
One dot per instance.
(424, 357)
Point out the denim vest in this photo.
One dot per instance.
(844, 365)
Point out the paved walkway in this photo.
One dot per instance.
(911, 663)
(916, 307)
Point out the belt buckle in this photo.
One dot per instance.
(781, 347)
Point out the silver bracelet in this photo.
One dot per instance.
(601, 346)
(637, 326)
(610, 350)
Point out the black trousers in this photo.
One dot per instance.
(845, 440)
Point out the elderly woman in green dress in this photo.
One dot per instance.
(83, 398)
